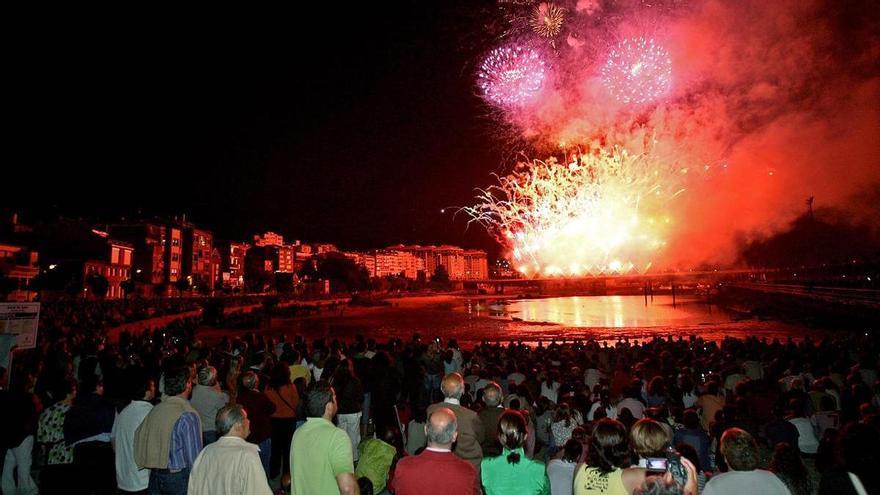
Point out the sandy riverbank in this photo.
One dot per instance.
(447, 316)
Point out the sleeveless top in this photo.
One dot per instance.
(591, 481)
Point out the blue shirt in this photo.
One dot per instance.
(186, 442)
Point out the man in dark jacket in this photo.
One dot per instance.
(87, 427)
(259, 411)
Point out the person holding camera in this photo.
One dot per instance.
(608, 470)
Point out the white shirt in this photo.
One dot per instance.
(610, 411)
(635, 407)
(807, 441)
(128, 476)
(551, 392)
(739, 482)
(561, 474)
(229, 466)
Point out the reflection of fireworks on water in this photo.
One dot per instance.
(547, 19)
(602, 212)
(511, 75)
(638, 71)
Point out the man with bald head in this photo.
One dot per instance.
(436, 471)
(470, 428)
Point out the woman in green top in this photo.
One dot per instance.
(512, 473)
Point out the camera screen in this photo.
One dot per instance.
(656, 464)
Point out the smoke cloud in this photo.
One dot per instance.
(771, 103)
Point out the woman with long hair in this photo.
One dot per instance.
(608, 470)
(512, 473)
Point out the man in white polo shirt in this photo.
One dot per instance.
(129, 477)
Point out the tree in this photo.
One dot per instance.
(127, 286)
(98, 285)
(343, 273)
(183, 284)
(284, 283)
(440, 275)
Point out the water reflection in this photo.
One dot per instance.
(606, 311)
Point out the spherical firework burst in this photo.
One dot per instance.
(602, 212)
(547, 19)
(638, 71)
(511, 75)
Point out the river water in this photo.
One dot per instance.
(473, 320)
(611, 311)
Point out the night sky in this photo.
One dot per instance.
(354, 125)
(358, 123)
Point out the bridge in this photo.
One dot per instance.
(601, 282)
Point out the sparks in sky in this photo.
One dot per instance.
(547, 19)
(638, 71)
(605, 211)
(511, 75)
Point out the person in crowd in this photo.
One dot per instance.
(603, 404)
(648, 439)
(436, 471)
(690, 454)
(787, 464)
(378, 456)
(470, 428)
(512, 472)
(607, 471)
(550, 387)
(87, 428)
(260, 410)
(855, 472)
(230, 465)
(632, 400)
(807, 441)
(21, 417)
(740, 453)
(207, 399)
(656, 392)
(564, 422)
(170, 437)
(320, 457)
(709, 404)
(825, 416)
(129, 477)
(57, 472)
(560, 471)
(490, 415)
(778, 430)
(285, 396)
(350, 392)
(692, 434)
(415, 429)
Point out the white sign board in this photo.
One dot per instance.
(20, 319)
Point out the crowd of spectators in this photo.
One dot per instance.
(162, 412)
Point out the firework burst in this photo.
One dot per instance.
(547, 20)
(511, 75)
(638, 71)
(600, 212)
